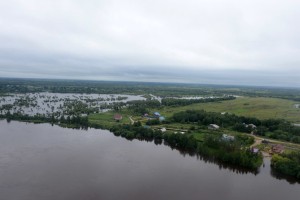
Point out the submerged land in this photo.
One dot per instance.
(236, 125)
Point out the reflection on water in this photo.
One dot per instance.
(40, 161)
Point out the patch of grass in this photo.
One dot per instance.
(106, 119)
(260, 107)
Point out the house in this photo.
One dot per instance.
(252, 126)
(161, 118)
(226, 137)
(255, 150)
(277, 148)
(157, 114)
(264, 141)
(213, 127)
(118, 117)
(163, 130)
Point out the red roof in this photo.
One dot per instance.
(277, 148)
(118, 117)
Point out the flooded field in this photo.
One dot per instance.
(48, 103)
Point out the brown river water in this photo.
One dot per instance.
(44, 162)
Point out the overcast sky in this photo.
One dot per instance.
(245, 42)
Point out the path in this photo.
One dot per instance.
(132, 121)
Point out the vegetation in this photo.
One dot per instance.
(70, 121)
(213, 146)
(184, 102)
(258, 107)
(288, 164)
(8, 85)
(271, 128)
(188, 110)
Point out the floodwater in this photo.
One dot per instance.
(44, 102)
(44, 162)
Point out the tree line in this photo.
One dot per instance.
(272, 128)
(287, 163)
(213, 147)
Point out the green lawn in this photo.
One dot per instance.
(107, 119)
(262, 108)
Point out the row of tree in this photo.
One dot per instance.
(72, 121)
(272, 128)
(213, 146)
(185, 102)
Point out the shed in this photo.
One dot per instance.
(156, 114)
(118, 117)
(277, 148)
(226, 137)
(213, 127)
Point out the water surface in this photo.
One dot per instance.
(44, 162)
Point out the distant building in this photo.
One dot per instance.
(250, 125)
(265, 141)
(118, 117)
(255, 150)
(277, 148)
(213, 127)
(157, 114)
(226, 137)
(163, 129)
(161, 118)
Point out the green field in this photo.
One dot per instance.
(107, 119)
(260, 107)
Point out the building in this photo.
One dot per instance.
(252, 126)
(226, 137)
(161, 118)
(157, 114)
(163, 130)
(255, 150)
(118, 117)
(277, 148)
(213, 127)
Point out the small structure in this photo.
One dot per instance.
(157, 114)
(255, 150)
(252, 126)
(118, 117)
(264, 141)
(213, 127)
(277, 148)
(226, 137)
(163, 129)
(161, 118)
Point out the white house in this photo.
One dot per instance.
(213, 127)
(227, 137)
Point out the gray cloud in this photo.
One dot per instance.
(204, 41)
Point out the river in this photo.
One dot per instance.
(44, 162)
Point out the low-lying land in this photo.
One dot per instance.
(206, 120)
